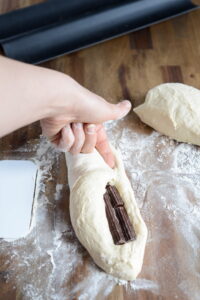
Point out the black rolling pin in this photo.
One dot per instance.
(66, 37)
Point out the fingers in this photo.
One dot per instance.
(67, 138)
(96, 112)
(79, 136)
(94, 109)
(90, 138)
(105, 111)
(102, 145)
(121, 109)
(51, 127)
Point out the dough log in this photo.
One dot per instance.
(88, 176)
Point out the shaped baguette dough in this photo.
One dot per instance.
(88, 175)
(174, 110)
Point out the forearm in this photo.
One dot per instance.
(29, 93)
(25, 93)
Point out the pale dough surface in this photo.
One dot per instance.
(88, 175)
(174, 110)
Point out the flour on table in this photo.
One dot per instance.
(164, 175)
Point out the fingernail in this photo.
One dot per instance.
(78, 125)
(125, 103)
(91, 128)
(126, 106)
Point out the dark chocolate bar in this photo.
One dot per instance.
(114, 195)
(121, 229)
(113, 222)
(126, 226)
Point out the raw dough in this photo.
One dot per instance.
(88, 175)
(174, 110)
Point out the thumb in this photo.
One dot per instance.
(120, 109)
(95, 109)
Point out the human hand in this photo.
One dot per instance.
(66, 109)
(76, 124)
(78, 137)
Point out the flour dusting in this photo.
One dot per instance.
(50, 263)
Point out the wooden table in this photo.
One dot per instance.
(123, 68)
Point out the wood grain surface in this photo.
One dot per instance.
(123, 68)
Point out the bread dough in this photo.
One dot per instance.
(88, 175)
(174, 110)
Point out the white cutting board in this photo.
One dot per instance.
(17, 187)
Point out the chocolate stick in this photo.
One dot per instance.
(113, 222)
(120, 225)
(114, 195)
(126, 226)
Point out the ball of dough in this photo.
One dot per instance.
(174, 110)
(88, 176)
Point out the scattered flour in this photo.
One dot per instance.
(50, 263)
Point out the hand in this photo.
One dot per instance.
(79, 137)
(74, 127)
(30, 93)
